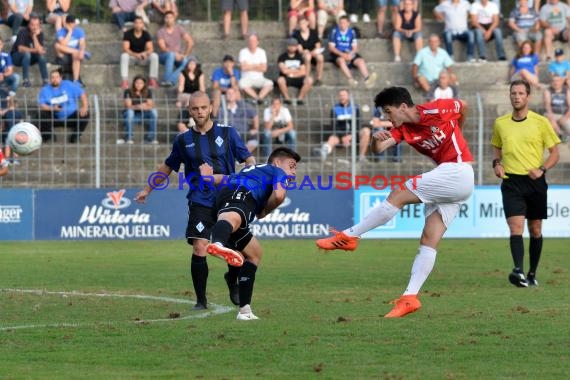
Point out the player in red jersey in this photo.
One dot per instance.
(434, 130)
(3, 164)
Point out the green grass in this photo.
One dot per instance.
(321, 315)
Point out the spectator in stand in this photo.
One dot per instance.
(557, 105)
(19, 15)
(191, 79)
(343, 48)
(139, 108)
(342, 115)
(70, 48)
(455, 14)
(328, 9)
(311, 48)
(160, 7)
(524, 23)
(554, 20)
(395, 7)
(170, 38)
(58, 102)
(8, 77)
(278, 129)
(301, 9)
(9, 116)
(379, 123)
(486, 24)
(429, 63)
(293, 72)
(525, 65)
(444, 89)
(57, 12)
(356, 7)
(29, 49)
(242, 117)
(224, 77)
(138, 50)
(227, 8)
(253, 64)
(126, 10)
(560, 66)
(408, 26)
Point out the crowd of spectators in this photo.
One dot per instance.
(237, 83)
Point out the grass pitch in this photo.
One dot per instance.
(114, 310)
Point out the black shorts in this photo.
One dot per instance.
(241, 201)
(201, 219)
(524, 196)
(294, 82)
(334, 57)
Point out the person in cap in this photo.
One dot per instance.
(224, 77)
(70, 48)
(293, 72)
(560, 66)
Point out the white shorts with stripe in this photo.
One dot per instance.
(444, 189)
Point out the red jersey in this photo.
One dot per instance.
(437, 134)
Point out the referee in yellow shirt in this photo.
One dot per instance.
(519, 140)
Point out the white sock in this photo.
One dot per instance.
(423, 264)
(245, 309)
(378, 216)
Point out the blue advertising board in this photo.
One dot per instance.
(16, 214)
(306, 214)
(96, 214)
(480, 216)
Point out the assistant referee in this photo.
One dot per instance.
(519, 140)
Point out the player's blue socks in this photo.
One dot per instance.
(535, 250)
(199, 271)
(246, 280)
(221, 232)
(517, 251)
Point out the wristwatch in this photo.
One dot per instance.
(544, 170)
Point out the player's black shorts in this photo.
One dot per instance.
(294, 82)
(241, 201)
(201, 219)
(524, 196)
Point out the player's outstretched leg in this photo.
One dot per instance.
(339, 240)
(404, 305)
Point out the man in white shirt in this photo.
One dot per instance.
(253, 63)
(455, 14)
(554, 20)
(279, 127)
(485, 23)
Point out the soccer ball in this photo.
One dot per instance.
(24, 138)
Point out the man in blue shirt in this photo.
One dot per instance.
(70, 48)
(254, 191)
(7, 75)
(224, 77)
(219, 146)
(58, 103)
(560, 66)
(344, 52)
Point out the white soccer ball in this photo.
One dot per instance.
(24, 138)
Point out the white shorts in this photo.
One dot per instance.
(256, 82)
(444, 189)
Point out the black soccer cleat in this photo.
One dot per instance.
(531, 279)
(200, 305)
(233, 288)
(518, 279)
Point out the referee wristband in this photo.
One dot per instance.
(496, 162)
(544, 170)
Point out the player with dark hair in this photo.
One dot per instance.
(206, 143)
(519, 140)
(434, 130)
(254, 191)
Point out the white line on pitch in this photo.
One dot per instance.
(216, 309)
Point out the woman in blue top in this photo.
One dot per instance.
(525, 65)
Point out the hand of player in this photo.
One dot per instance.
(381, 135)
(499, 171)
(206, 170)
(141, 196)
(535, 173)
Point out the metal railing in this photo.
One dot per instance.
(97, 161)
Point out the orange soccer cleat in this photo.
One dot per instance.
(339, 240)
(228, 255)
(404, 305)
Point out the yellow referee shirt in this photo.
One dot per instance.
(523, 142)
